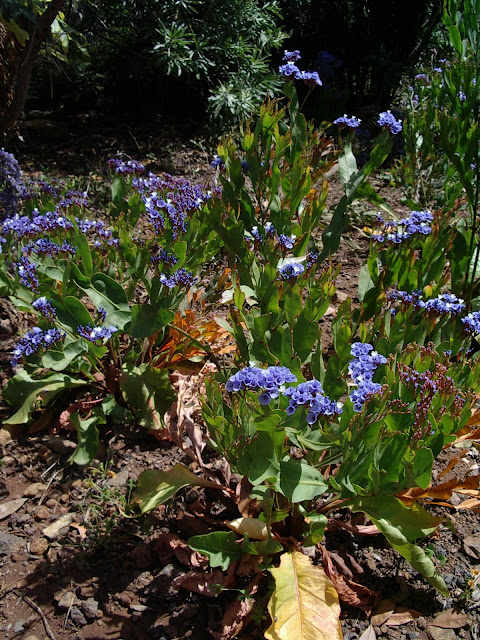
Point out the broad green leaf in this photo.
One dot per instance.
(347, 165)
(60, 359)
(304, 604)
(422, 467)
(220, 547)
(401, 526)
(107, 293)
(148, 393)
(24, 392)
(88, 442)
(261, 548)
(146, 320)
(260, 459)
(300, 482)
(156, 487)
(71, 313)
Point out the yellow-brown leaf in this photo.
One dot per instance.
(304, 604)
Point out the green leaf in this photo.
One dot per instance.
(262, 548)
(156, 487)
(146, 320)
(60, 359)
(148, 393)
(220, 547)
(71, 312)
(422, 467)
(347, 165)
(260, 458)
(299, 481)
(24, 392)
(107, 293)
(402, 526)
(88, 443)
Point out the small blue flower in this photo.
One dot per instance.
(388, 120)
(349, 121)
(291, 270)
(95, 334)
(45, 308)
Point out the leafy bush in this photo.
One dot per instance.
(178, 56)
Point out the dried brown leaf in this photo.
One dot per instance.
(349, 591)
(238, 613)
(401, 615)
(206, 584)
(7, 508)
(382, 612)
(368, 634)
(450, 619)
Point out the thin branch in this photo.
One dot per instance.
(36, 608)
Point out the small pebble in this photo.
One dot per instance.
(42, 513)
(51, 503)
(39, 546)
(19, 626)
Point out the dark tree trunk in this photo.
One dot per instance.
(26, 60)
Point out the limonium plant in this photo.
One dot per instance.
(303, 430)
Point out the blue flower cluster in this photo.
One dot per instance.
(348, 121)
(166, 257)
(45, 308)
(130, 167)
(362, 367)
(47, 247)
(102, 314)
(95, 334)
(33, 341)
(397, 232)
(97, 226)
(11, 185)
(217, 162)
(446, 303)
(471, 322)
(170, 198)
(286, 242)
(181, 276)
(311, 393)
(28, 273)
(270, 380)
(388, 120)
(290, 270)
(24, 226)
(461, 96)
(290, 71)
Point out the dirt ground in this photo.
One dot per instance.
(74, 566)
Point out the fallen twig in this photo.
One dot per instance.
(36, 608)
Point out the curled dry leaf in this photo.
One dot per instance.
(248, 508)
(349, 591)
(207, 584)
(238, 613)
(255, 529)
(359, 529)
(169, 544)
